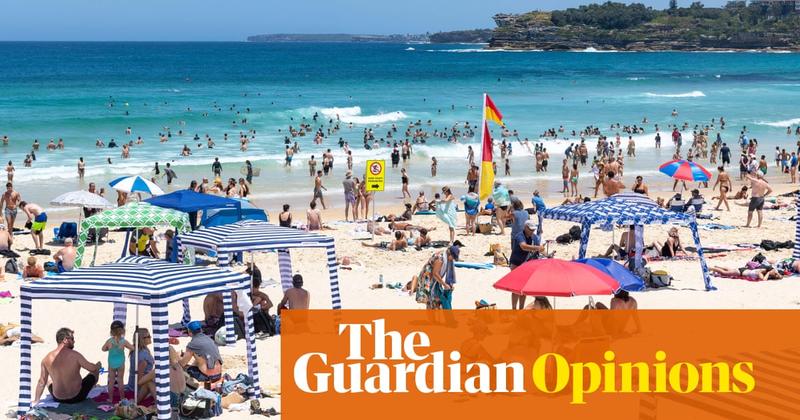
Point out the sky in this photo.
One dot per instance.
(234, 20)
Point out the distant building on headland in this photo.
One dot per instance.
(789, 4)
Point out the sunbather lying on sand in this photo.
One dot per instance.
(757, 274)
(10, 333)
(407, 226)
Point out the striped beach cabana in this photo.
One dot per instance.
(132, 215)
(137, 281)
(627, 209)
(253, 236)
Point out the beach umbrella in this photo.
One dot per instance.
(685, 170)
(131, 184)
(627, 280)
(82, 199)
(553, 277)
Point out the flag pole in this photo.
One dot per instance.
(483, 131)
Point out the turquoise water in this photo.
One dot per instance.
(66, 90)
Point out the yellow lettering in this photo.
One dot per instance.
(539, 372)
(743, 374)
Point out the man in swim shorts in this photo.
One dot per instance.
(38, 217)
(63, 365)
(10, 204)
(349, 195)
(759, 189)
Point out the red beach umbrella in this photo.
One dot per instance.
(552, 277)
(685, 170)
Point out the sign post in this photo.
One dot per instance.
(375, 179)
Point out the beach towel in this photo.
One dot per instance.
(739, 277)
(446, 212)
(680, 258)
(474, 266)
(716, 226)
(425, 213)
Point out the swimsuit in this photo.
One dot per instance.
(756, 203)
(39, 223)
(10, 213)
(116, 354)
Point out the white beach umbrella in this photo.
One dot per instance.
(131, 184)
(81, 199)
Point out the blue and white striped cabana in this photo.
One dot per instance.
(137, 281)
(627, 209)
(256, 235)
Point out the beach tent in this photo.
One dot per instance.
(627, 209)
(138, 281)
(796, 252)
(191, 202)
(224, 216)
(132, 215)
(251, 235)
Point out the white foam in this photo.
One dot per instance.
(411, 49)
(353, 115)
(594, 50)
(635, 78)
(692, 94)
(781, 124)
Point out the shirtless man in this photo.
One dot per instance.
(759, 189)
(612, 185)
(398, 244)
(318, 187)
(313, 217)
(10, 203)
(65, 257)
(296, 297)
(421, 204)
(38, 219)
(5, 239)
(63, 365)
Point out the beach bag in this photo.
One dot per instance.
(658, 279)
(564, 239)
(575, 233)
(485, 228)
(197, 408)
(768, 245)
(12, 267)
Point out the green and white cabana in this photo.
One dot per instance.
(132, 215)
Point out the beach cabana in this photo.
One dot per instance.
(224, 216)
(253, 236)
(627, 209)
(132, 215)
(137, 281)
(189, 201)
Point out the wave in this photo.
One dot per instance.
(353, 115)
(411, 49)
(635, 78)
(781, 124)
(692, 94)
(594, 50)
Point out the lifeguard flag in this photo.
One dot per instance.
(491, 113)
(487, 171)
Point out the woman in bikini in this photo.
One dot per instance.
(640, 187)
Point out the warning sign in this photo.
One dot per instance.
(376, 175)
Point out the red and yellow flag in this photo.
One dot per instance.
(487, 171)
(490, 113)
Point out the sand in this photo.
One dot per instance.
(91, 320)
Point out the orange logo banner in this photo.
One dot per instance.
(569, 364)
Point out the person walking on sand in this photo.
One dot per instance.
(10, 205)
(404, 180)
(318, 187)
(760, 189)
(38, 218)
(62, 367)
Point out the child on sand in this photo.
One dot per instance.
(115, 346)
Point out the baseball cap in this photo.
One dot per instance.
(455, 251)
(530, 224)
(194, 326)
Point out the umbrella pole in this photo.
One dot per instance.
(135, 360)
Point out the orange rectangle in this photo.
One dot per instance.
(570, 364)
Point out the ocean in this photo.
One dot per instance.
(81, 92)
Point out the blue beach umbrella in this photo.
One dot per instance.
(131, 184)
(627, 280)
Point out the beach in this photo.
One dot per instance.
(687, 291)
(406, 88)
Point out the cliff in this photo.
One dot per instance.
(616, 26)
